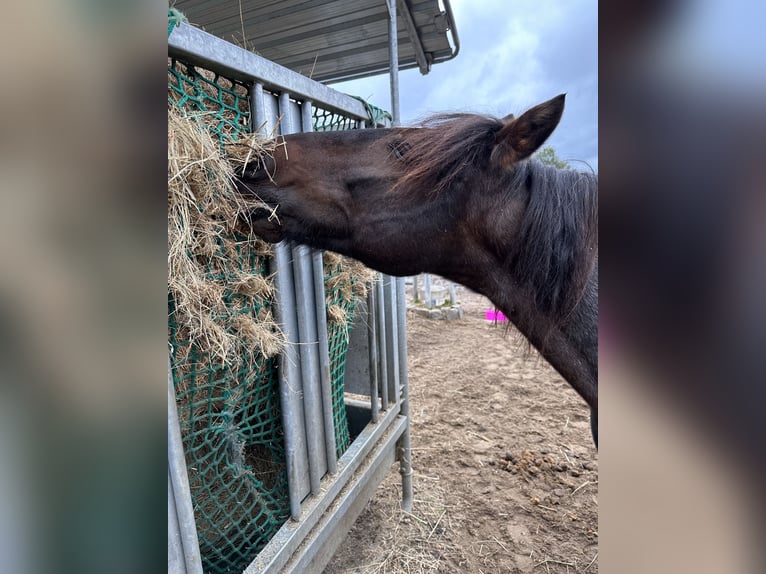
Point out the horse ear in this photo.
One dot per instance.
(521, 137)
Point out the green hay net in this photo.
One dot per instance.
(231, 420)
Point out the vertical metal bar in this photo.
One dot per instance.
(382, 348)
(179, 480)
(307, 116)
(415, 288)
(372, 327)
(290, 385)
(393, 57)
(176, 562)
(324, 362)
(290, 381)
(308, 339)
(427, 290)
(452, 294)
(308, 346)
(320, 307)
(404, 448)
(392, 343)
(257, 109)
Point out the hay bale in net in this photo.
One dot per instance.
(224, 342)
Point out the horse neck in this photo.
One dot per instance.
(570, 344)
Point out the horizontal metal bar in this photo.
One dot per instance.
(417, 44)
(330, 532)
(372, 439)
(198, 47)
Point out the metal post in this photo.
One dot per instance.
(383, 350)
(290, 382)
(427, 290)
(392, 344)
(257, 111)
(179, 484)
(452, 294)
(393, 57)
(372, 326)
(324, 362)
(308, 339)
(404, 449)
(415, 288)
(320, 307)
(308, 344)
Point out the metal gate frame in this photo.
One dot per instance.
(326, 494)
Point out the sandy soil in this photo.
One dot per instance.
(505, 472)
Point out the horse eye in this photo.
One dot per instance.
(399, 148)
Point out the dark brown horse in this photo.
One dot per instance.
(457, 197)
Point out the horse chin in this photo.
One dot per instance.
(266, 228)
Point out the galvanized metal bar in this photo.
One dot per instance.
(424, 63)
(452, 29)
(308, 344)
(199, 47)
(257, 109)
(179, 483)
(320, 306)
(393, 58)
(317, 396)
(290, 379)
(290, 384)
(328, 534)
(372, 330)
(382, 347)
(404, 453)
(415, 288)
(392, 344)
(176, 563)
(452, 294)
(427, 290)
(371, 444)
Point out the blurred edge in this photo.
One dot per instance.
(682, 127)
(82, 302)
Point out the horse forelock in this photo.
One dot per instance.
(444, 149)
(557, 244)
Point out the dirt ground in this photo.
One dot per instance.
(505, 471)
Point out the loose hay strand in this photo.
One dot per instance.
(223, 331)
(204, 215)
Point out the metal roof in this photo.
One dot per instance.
(331, 40)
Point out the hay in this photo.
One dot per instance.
(224, 338)
(205, 243)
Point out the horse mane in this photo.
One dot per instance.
(446, 147)
(557, 245)
(558, 239)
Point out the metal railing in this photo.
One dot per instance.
(282, 100)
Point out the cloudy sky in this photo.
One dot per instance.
(513, 55)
